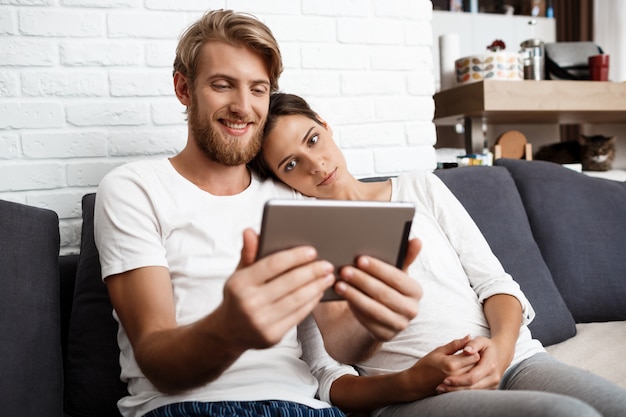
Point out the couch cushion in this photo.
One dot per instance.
(491, 198)
(582, 351)
(67, 271)
(92, 374)
(579, 223)
(31, 381)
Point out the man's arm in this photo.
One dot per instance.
(144, 304)
(381, 301)
(262, 302)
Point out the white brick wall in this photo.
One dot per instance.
(85, 85)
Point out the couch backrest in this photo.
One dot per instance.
(31, 380)
(92, 371)
(579, 223)
(491, 198)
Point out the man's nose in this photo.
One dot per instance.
(240, 103)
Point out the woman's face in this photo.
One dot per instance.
(303, 154)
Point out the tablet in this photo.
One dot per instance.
(339, 230)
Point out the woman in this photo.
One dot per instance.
(470, 340)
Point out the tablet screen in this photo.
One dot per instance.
(339, 230)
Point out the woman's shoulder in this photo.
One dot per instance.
(417, 176)
(412, 185)
(422, 183)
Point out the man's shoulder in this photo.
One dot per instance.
(136, 169)
(127, 177)
(277, 189)
(139, 166)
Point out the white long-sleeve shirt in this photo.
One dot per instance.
(457, 271)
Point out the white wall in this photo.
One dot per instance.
(85, 85)
(609, 32)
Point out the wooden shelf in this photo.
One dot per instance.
(511, 102)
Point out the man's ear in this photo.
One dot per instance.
(182, 89)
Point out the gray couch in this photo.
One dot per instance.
(561, 234)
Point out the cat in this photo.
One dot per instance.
(595, 153)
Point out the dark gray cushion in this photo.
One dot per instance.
(31, 368)
(92, 374)
(579, 223)
(67, 271)
(491, 198)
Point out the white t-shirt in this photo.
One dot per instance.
(457, 271)
(147, 214)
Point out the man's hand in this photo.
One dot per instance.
(383, 298)
(264, 299)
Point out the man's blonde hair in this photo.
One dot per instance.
(236, 29)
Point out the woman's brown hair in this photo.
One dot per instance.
(281, 104)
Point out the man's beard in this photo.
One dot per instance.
(225, 151)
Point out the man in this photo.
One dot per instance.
(204, 328)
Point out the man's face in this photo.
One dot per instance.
(229, 103)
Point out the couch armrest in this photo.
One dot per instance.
(30, 353)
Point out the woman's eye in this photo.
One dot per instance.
(291, 165)
(314, 139)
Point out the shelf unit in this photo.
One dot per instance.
(532, 102)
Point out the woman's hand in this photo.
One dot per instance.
(494, 360)
(448, 361)
(504, 315)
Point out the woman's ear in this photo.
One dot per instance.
(324, 124)
(181, 88)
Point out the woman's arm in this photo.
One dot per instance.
(366, 393)
(342, 386)
(484, 271)
(504, 315)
